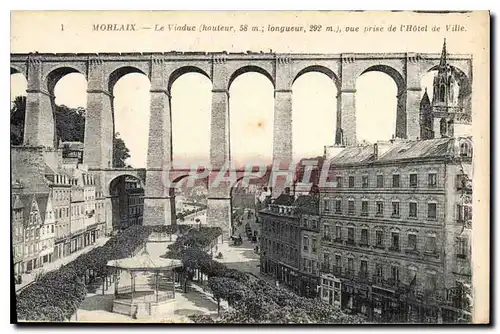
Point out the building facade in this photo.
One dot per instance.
(17, 229)
(394, 242)
(280, 242)
(308, 209)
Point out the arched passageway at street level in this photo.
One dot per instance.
(131, 109)
(191, 102)
(314, 114)
(18, 86)
(251, 106)
(380, 104)
(127, 201)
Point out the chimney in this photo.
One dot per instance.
(375, 151)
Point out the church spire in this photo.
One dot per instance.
(443, 61)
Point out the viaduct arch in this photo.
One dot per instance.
(102, 71)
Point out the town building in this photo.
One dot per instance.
(280, 241)
(308, 210)
(33, 212)
(47, 233)
(17, 229)
(395, 228)
(127, 201)
(135, 198)
(77, 219)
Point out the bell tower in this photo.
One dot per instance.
(447, 102)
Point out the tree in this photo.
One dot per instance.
(17, 115)
(70, 126)
(120, 152)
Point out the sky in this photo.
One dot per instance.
(251, 102)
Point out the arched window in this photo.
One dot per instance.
(442, 92)
(464, 149)
(443, 127)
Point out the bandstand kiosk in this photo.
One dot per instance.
(143, 284)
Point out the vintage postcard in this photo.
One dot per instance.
(250, 167)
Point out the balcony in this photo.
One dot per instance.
(338, 240)
(377, 280)
(379, 246)
(395, 248)
(326, 238)
(431, 253)
(412, 251)
(364, 244)
(350, 242)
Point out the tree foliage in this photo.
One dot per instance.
(57, 294)
(70, 126)
(120, 152)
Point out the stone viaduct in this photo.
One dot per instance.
(102, 71)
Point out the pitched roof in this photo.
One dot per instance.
(353, 155)
(284, 199)
(441, 147)
(144, 261)
(399, 150)
(26, 200)
(307, 204)
(17, 203)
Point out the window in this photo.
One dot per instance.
(395, 241)
(351, 181)
(395, 273)
(326, 205)
(413, 209)
(314, 224)
(380, 181)
(413, 180)
(350, 264)
(338, 206)
(461, 181)
(350, 235)
(363, 268)
(364, 181)
(395, 209)
(412, 241)
(314, 245)
(462, 248)
(364, 208)
(431, 282)
(338, 261)
(338, 232)
(464, 149)
(350, 209)
(379, 270)
(432, 210)
(430, 244)
(464, 213)
(326, 260)
(395, 180)
(432, 181)
(327, 232)
(380, 208)
(306, 243)
(364, 236)
(339, 181)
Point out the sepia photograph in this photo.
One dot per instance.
(250, 167)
